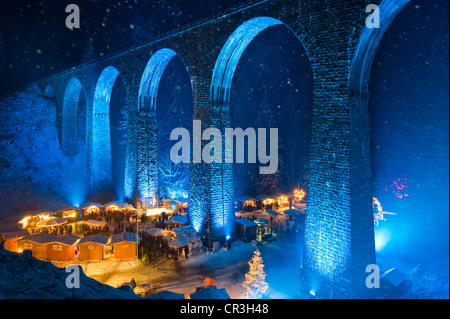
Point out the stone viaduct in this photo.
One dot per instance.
(339, 234)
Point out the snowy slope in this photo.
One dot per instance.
(24, 277)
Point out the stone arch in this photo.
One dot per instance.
(360, 158)
(101, 157)
(221, 209)
(69, 123)
(368, 44)
(147, 161)
(231, 53)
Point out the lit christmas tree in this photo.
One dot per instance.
(255, 285)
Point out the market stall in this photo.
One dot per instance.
(92, 247)
(125, 245)
(91, 210)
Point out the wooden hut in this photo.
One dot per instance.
(284, 200)
(29, 218)
(179, 220)
(246, 229)
(267, 202)
(10, 234)
(37, 243)
(71, 213)
(62, 248)
(181, 204)
(89, 210)
(246, 203)
(125, 245)
(92, 247)
(118, 206)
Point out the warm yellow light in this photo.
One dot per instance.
(24, 221)
(299, 194)
(250, 203)
(19, 250)
(283, 199)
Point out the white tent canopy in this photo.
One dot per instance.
(261, 221)
(157, 211)
(177, 243)
(155, 232)
(96, 223)
(50, 222)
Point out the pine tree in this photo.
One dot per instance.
(255, 284)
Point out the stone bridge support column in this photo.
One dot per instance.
(147, 153)
(132, 145)
(339, 240)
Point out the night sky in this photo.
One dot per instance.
(35, 42)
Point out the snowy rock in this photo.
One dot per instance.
(24, 277)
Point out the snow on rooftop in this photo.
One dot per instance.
(98, 239)
(245, 222)
(181, 219)
(120, 237)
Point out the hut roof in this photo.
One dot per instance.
(245, 222)
(155, 231)
(68, 239)
(263, 197)
(9, 228)
(12, 231)
(180, 219)
(68, 207)
(245, 198)
(89, 204)
(261, 221)
(40, 238)
(121, 237)
(292, 212)
(97, 239)
(119, 203)
(273, 213)
(177, 243)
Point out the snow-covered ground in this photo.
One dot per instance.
(226, 267)
(24, 277)
(21, 278)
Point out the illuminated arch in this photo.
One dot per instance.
(231, 53)
(368, 44)
(148, 88)
(222, 211)
(69, 123)
(101, 172)
(147, 159)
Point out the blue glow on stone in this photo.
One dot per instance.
(147, 170)
(69, 123)
(231, 53)
(101, 139)
(148, 88)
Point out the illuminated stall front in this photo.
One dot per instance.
(89, 210)
(118, 206)
(71, 213)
